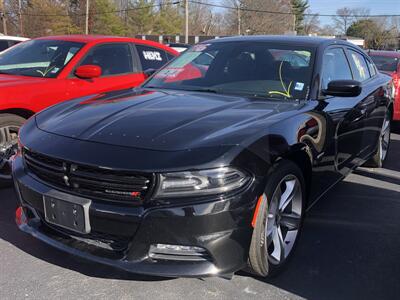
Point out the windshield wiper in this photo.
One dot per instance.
(194, 89)
(205, 90)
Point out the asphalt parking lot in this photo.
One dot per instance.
(350, 249)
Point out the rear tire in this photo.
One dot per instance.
(278, 221)
(9, 126)
(379, 158)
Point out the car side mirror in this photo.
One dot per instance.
(149, 72)
(88, 71)
(343, 88)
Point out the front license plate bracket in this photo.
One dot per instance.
(67, 211)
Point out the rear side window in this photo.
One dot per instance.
(114, 59)
(3, 45)
(371, 67)
(335, 66)
(169, 56)
(360, 68)
(151, 57)
(12, 43)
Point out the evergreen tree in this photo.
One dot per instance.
(298, 9)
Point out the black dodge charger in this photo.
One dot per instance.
(210, 166)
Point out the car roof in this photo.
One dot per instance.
(384, 53)
(311, 41)
(82, 38)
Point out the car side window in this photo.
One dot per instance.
(114, 59)
(169, 56)
(359, 66)
(334, 66)
(371, 67)
(12, 43)
(151, 57)
(3, 45)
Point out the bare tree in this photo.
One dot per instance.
(311, 23)
(346, 16)
(343, 19)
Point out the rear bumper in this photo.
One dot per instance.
(222, 228)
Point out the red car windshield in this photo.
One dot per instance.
(38, 58)
(385, 63)
(244, 68)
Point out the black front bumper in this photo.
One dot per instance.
(121, 236)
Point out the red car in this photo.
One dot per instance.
(45, 71)
(389, 63)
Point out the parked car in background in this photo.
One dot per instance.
(205, 175)
(7, 41)
(45, 71)
(389, 62)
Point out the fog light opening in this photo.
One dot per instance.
(178, 252)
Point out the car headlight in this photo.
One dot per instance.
(200, 183)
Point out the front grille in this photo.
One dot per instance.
(121, 186)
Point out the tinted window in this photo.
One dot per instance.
(38, 58)
(240, 68)
(335, 66)
(371, 67)
(13, 42)
(3, 45)
(113, 59)
(294, 58)
(359, 65)
(150, 57)
(169, 56)
(385, 63)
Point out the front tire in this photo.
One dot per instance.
(279, 220)
(9, 127)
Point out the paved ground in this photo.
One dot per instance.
(350, 249)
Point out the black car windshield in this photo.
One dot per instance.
(385, 63)
(38, 58)
(259, 69)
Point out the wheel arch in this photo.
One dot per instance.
(301, 157)
(22, 112)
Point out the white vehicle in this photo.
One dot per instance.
(7, 41)
(180, 47)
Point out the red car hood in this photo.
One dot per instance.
(14, 80)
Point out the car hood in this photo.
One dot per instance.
(163, 120)
(14, 80)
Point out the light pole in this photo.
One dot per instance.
(239, 19)
(3, 17)
(87, 17)
(21, 31)
(186, 21)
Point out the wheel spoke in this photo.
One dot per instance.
(386, 125)
(287, 196)
(385, 144)
(278, 254)
(3, 137)
(290, 221)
